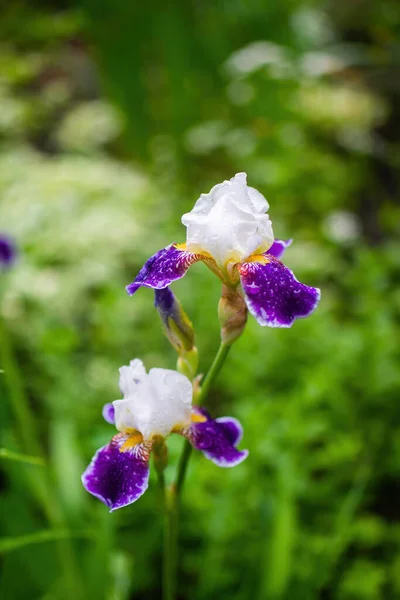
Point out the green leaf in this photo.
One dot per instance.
(24, 458)
(8, 544)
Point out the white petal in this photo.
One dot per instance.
(229, 223)
(124, 414)
(259, 202)
(173, 392)
(155, 403)
(130, 376)
(265, 232)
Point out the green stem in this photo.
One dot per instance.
(39, 480)
(161, 483)
(212, 374)
(171, 495)
(182, 467)
(170, 538)
(170, 544)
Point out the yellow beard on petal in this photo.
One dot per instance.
(206, 258)
(196, 418)
(181, 246)
(179, 427)
(259, 258)
(135, 438)
(228, 274)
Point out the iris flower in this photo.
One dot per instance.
(229, 230)
(7, 251)
(154, 405)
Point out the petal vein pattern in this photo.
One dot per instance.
(273, 294)
(164, 267)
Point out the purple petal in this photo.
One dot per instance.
(164, 301)
(108, 413)
(278, 248)
(165, 266)
(177, 325)
(232, 428)
(116, 478)
(7, 251)
(273, 294)
(217, 439)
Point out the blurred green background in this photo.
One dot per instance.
(114, 117)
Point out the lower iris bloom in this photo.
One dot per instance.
(229, 230)
(154, 405)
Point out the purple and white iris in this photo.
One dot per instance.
(154, 405)
(7, 251)
(229, 230)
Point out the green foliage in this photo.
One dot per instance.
(302, 98)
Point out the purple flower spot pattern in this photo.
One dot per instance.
(273, 294)
(116, 478)
(217, 439)
(167, 265)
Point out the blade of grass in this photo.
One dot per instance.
(9, 544)
(40, 481)
(24, 458)
(276, 567)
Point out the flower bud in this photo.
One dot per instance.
(188, 363)
(177, 325)
(232, 314)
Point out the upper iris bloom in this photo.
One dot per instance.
(155, 404)
(229, 230)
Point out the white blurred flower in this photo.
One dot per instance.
(206, 137)
(342, 226)
(315, 64)
(88, 126)
(312, 25)
(240, 143)
(240, 92)
(254, 56)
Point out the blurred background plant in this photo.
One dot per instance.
(114, 117)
